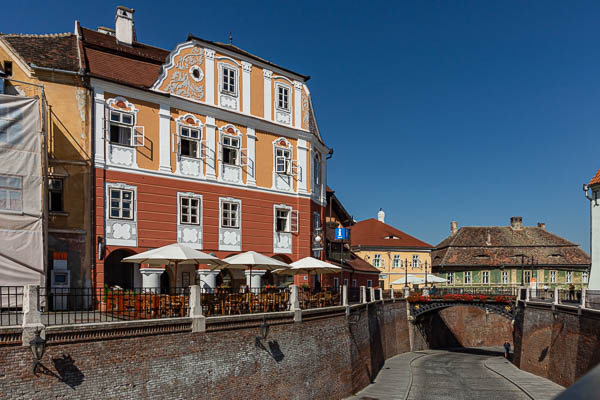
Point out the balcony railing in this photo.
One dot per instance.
(11, 305)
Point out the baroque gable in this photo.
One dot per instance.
(183, 73)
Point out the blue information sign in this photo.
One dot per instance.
(341, 234)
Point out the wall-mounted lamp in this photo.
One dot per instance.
(38, 348)
(100, 248)
(264, 328)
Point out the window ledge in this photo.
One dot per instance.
(58, 213)
(13, 212)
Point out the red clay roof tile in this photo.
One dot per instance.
(373, 233)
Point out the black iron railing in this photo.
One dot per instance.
(387, 294)
(231, 301)
(368, 295)
(353, 295)
(86, 305)
(546, 295)
(11, 305)
(488, 291)
(316, 298)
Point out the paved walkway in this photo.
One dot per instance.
(468, 374)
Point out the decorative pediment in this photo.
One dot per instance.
(183, 73)
(189, 120)
(282, 142)
(230, 129)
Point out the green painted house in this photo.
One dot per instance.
(513, 255)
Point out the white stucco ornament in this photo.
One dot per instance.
(121, 231)
(190, 167)
(230, 238)
(190, 235)
(123, 156)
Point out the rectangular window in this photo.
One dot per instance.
(584, 277)
(55, 195)
(336, 282)
(231, 146)
(190, 142)
(282, 220)
(396, 260)
(8, 68)
(369, 283)
(230, 215)
(527, 277)
(468, 278)
(283, 161)
(450, 278)
(229, 80)
(283, 97)
(11, 193)
(10, 125)
(569, 276)
(346, 282)
(485, 277)
(377, 260)
(189, 210)
(316, 221)
(415, 261)
(354, 283)
(317, 169)
(504, 277)
(121, 204)
(552, 276)
(121, 127)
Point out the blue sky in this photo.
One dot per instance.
(437, 111)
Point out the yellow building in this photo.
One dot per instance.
(391, 251)
(48, 67)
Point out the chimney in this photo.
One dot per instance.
(453, 227)
(516, 223)
(124, 25)
(381, 215)
(542, 225)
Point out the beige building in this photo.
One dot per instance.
(393, 252)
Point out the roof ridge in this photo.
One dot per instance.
(62, 34)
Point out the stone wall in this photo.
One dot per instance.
(460, 326)
(326, 356)
(561, 343)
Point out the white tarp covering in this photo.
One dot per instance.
(21, 205)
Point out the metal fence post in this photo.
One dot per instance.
(32, 318)
(556, 299)
(363, 294)
(198, 320)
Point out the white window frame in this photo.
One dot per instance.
(369, 283)
(552, 276)
(197, 141)
(317, 168)
(189, 214)
(229, 219)
(336, 282)
(7, 190)
(283, 163)
(278, 105)
(569, 277)
(415, 261)
(377, 260)
(354, 283)
(236, 77)
(485, 277)
(237, 149)
(527, 279)
(504, 277)
(396, 262)
(121, 202)
(287, 218)
(136, 133)
(585, 277)
(450, 278)
(468, 278)
(316, 221)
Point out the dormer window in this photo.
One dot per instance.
(283, 97)
(229, 81)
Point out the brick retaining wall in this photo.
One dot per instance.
(322, 357)
(561, 343)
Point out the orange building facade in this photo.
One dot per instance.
(206, 145)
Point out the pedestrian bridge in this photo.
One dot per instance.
(500, 300)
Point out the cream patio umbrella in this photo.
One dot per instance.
(175, 254)
(252, 259)
(309, 266)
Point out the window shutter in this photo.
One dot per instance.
(244, 157)
(296, 169)
(106, 124)
(203, 148)
(280, 164)
(138, 136)
(294, 221)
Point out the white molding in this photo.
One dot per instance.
(222, 229)
(301, 160)
(228, 59)
(100, 124)
(246, 69)
(226, 95)
(182, 121)
(199, 228)
(131, 222)
(287, 113)
(164, 71)
(112, 102)
(268, 76)
(251, 148)
(297, 104)
(210, 160)
(209, 76)
(288, 235)
(165, 138)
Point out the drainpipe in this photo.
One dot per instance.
(587, 196)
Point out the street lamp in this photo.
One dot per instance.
(38, 348)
